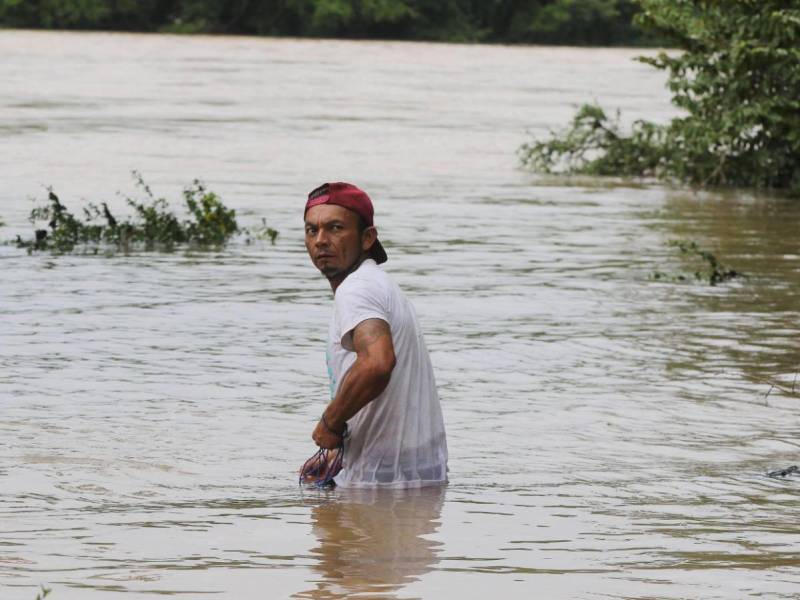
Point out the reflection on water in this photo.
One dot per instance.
(370, 542)
(609, 435)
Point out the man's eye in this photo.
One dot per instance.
(310, 231)
(337, 227)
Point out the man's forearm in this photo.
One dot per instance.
(363, 382)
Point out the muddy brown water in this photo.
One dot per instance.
(609, 434)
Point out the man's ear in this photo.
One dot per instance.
(368, 237)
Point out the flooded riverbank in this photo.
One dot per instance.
(609, 435)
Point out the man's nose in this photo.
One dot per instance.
(321, 238)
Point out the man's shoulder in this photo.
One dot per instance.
(369, 276)
(369, 283)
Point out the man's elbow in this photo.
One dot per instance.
(382, 369)
(391, 364)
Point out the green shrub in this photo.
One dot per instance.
(43, 593)
(737, 78)
(595, 145)
(705, 266)
(212, 222)
(151, 226)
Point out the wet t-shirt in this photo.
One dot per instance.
(398, 439)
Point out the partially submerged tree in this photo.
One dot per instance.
(737, 78)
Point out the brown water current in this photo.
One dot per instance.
(609, 434)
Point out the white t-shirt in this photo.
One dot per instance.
(398, 439)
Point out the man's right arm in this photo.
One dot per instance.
(363, 382)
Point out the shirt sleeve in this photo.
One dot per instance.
(356, 302)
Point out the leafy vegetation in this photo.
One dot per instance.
(43, 593)
(706, 266)
(736, 79)
(151, 226)
(604, 22)
(594, 144)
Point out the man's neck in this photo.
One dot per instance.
(337, 280)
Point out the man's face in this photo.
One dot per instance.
(333, 240)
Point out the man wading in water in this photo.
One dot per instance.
(382, 384)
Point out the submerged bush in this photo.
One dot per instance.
(737, 78)
(43, 592)
(595, 145)
(211, 224)
(151, 226)
(706, 266)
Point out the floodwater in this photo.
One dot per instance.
(609, 434)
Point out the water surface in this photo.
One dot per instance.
(609, 435)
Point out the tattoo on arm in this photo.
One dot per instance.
(369, 332)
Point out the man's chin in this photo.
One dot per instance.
(329, 271)
(332, 270)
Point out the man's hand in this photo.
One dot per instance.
(320, 465)
(325, 438)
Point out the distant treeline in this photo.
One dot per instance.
(584, 22)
